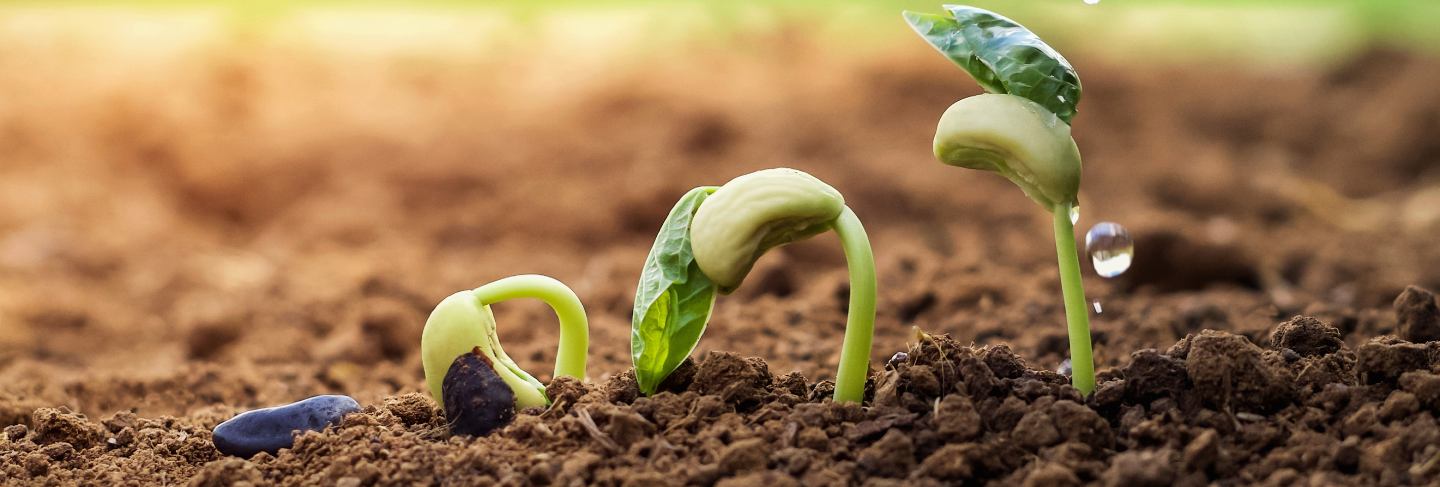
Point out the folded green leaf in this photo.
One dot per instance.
(674, 299)
(1003, 56)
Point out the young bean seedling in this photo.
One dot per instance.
(467, 371)
(708, 244)
(1021, 130)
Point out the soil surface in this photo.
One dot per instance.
(232, 225)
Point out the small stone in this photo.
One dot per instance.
(270, 429)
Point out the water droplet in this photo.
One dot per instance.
(1074, 214)
(1091, 2)
(1095, 303)
(1110, 248)
(1064, 368)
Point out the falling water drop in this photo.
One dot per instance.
(1075, 214)
(1110, 248)
(1095, 303)
(1064, 369)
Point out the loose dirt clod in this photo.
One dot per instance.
(1306, 336)
(1417, 315)
(1385, 359)
(1151, 375)
(62, 425)
(737, 380)
(1230, 372)
(1030, 429)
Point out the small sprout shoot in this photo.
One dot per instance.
(1019, 130)
(460, 334)
(710, 242)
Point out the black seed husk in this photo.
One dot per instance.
(477, 400)
(271, 429)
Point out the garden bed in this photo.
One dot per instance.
(215, 260)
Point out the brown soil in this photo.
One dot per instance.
(237, 225)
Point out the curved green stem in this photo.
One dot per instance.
(860, 322)
(1082, 364)
(574, 327)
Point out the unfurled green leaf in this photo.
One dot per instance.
(674, 299)
(1003, 56)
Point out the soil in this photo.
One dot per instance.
(240, 225)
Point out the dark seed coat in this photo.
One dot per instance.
(477, 400)
(271, 429)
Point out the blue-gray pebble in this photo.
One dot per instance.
(271, 429)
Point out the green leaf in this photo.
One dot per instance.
(1003, 56)
(674, 299)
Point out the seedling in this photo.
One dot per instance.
(460, 336)
(1021, 131)
(709, 243)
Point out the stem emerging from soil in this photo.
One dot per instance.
(1082, 364)
(860, 321)
(574, 327)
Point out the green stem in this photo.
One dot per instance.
(1082, 364)
(860, 322)
(574, 327)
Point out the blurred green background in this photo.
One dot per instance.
(1280, 32)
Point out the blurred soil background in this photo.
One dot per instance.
(205, 210)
